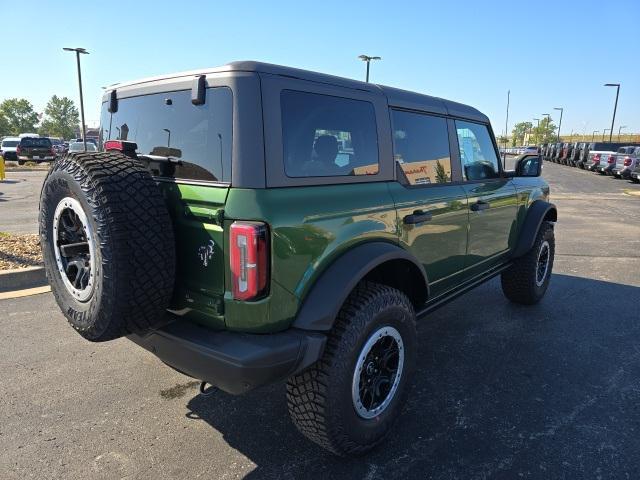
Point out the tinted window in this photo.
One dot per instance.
(35, 142)
(479, 159)
(10, 143)
(176, 138)
(328, 136)
(421, 147)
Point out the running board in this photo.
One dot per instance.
(447, 297)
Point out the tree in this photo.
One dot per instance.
(519, 131)
(441, 174)
(546, 133)
(61, 118)
(4, 126)
(19, 114)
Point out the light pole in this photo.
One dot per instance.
(506, 122)
(168, 136)
(620, 128)
(84, 128)
(604, 132)
(367, 58)
(537, 129)
(560, 123)
(615, 107)
(593, 135)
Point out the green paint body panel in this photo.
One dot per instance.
(439, 244)
(312, 226)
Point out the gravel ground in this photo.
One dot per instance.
(19, 251)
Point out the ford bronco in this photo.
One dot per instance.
(254, 223)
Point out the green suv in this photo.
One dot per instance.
(253, 223)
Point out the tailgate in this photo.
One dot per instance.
(197, 214)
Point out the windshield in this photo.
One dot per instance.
(10, 143)
(79, 147)
(35, 142)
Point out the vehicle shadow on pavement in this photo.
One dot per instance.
(499, 389)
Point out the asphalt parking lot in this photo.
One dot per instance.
(19, 195)
(501, 391)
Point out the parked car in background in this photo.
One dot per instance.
(38, 149)
(575, 153)
(529, 150)
(567, 148)
(601, 147)
(607, 162)
(626, 160)
(79, 147)
(557, 156)
(58, 145)
(635, 173)
(29, 135)
(8, 148)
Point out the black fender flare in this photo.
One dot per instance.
(536, 213)
(323, 302)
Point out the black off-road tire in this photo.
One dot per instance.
(132, 239)
(519, 282)
(320, 398)
(21, 162)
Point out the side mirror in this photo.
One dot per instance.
(529, 166)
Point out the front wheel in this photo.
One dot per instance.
(526, 281)
(348, 401)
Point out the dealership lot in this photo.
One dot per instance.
(501, 391)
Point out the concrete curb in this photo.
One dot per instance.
(22, 278)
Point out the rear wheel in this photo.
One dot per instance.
(526, 281)
(348, 401)
(107, 244)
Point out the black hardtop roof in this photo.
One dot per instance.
(395, 97)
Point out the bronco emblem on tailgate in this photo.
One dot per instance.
(205, 252)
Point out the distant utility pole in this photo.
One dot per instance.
(593, 135)
(615, 107)
(620, 128)
(604, 133)
(367, 58)
(506, 122)
(560, 123)
(84, 127)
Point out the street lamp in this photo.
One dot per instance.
(537, 129)
(594, 134)
(367, 58)
(560, 123)
(168, 136)
(604, 132)
(615, 107)
(84, 128)
(620, 128)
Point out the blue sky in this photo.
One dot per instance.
(471, 52)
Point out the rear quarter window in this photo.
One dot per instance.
(177, 139)
(327, 136)
(35, 142)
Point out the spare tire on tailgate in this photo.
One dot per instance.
(107, 243)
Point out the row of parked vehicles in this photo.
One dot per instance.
(621, 160)
(31, 147)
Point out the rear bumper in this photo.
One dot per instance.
(10, 156)
(233, 362)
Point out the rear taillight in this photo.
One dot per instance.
(596, 158)
(18, 150)
(627, 161)
(611, 159)
(249, 258)
(128, 148)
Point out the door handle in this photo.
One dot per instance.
(417, 216)
(480, 205)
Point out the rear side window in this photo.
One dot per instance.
(10, 143)
(479, 159)
(421, 147)
(326, 136)
(35, 142)
(176, 138)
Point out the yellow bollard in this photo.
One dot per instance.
(1, 168)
